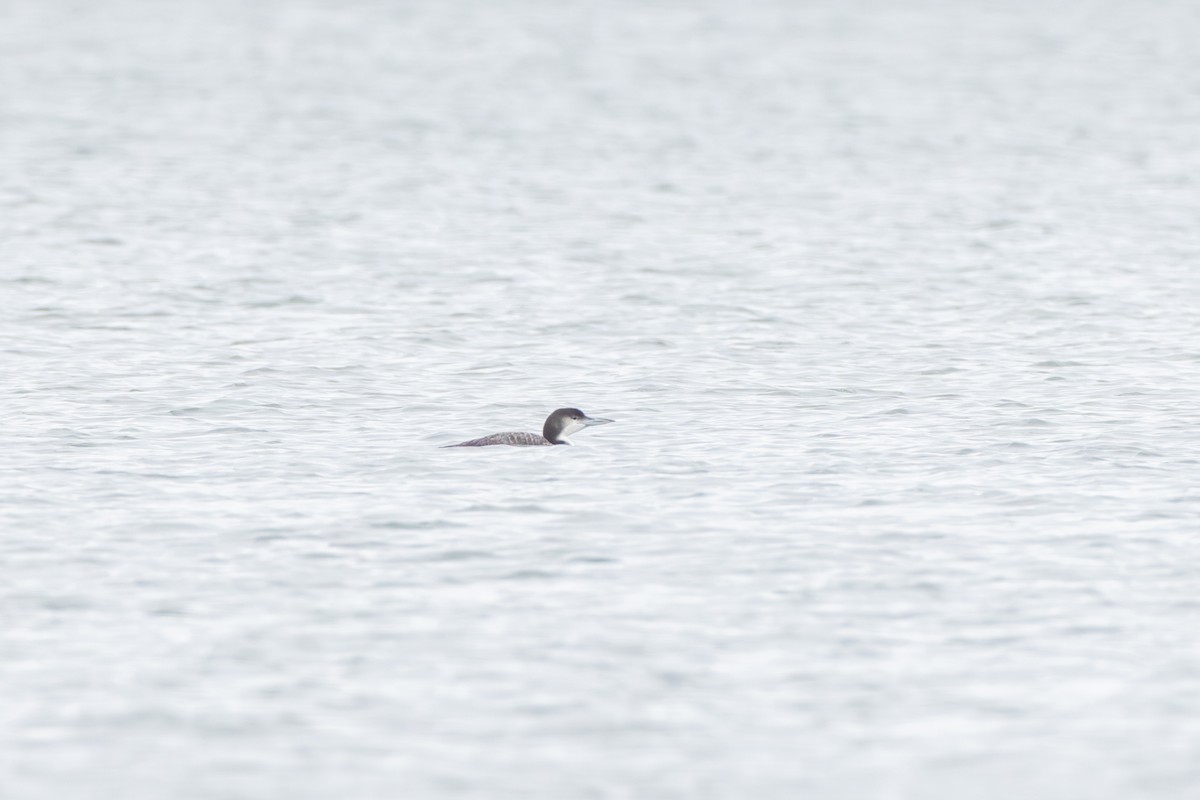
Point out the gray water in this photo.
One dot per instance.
(894, 305)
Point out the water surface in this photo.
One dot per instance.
(894, 306)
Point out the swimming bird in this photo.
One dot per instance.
(559, 425)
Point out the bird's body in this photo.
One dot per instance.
(514, 438)
(559, 425)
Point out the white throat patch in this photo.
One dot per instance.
(570, 426)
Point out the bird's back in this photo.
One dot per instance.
(513, 438)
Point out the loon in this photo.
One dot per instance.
(559, 425)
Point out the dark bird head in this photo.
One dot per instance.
(566, 421)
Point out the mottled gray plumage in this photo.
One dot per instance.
(515, 438)
(559, 425)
